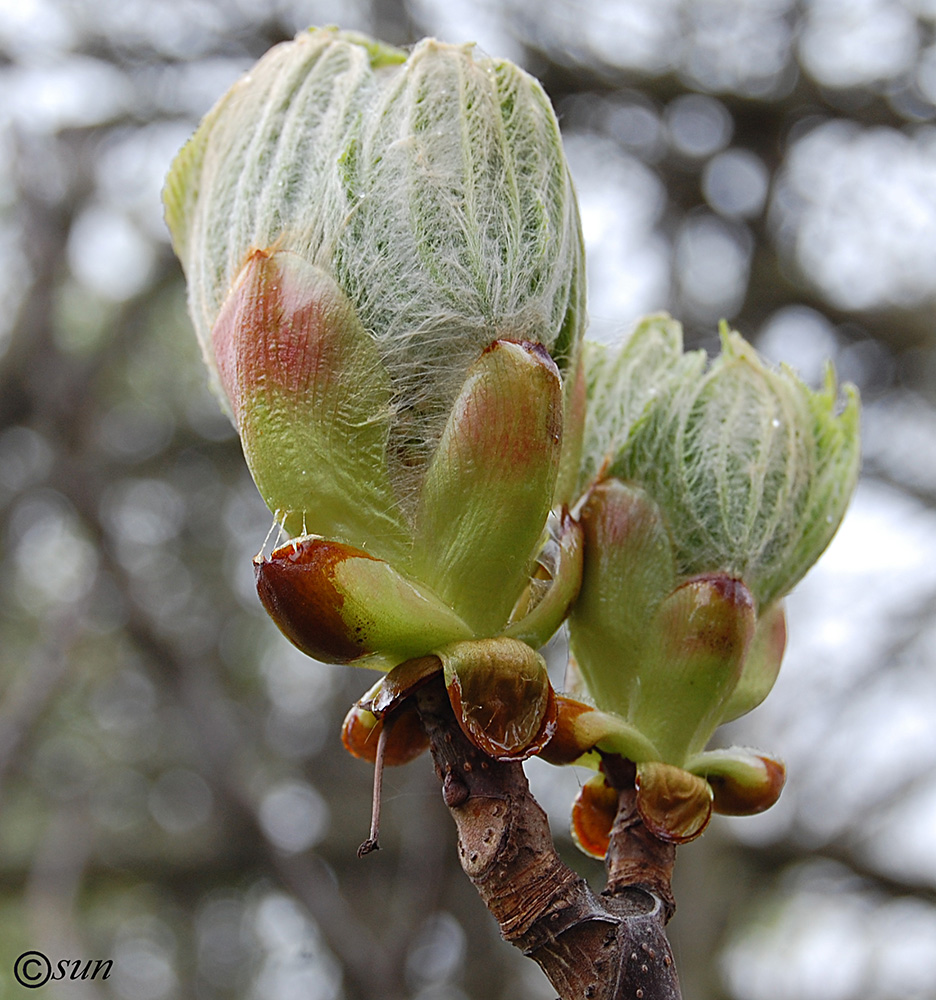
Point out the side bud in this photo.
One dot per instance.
(752, 469)
(414, 208)
(709, 494)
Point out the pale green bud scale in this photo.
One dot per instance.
(487, 491)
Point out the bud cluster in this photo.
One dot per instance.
(386, 275)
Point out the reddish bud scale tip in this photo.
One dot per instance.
(514, 428)
(539, 351)
(295, 585)
(732, 798)
(406, 740)
(593, 812)
(272, 330)
(711, 629)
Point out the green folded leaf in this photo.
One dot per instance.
(262, 167)
(574, 402)
(462, 228)
(622, 385)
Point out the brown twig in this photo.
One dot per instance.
(636, 858)
(604, 947)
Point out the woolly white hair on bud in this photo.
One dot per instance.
(433, 188)
(752, 470)
(463, 229)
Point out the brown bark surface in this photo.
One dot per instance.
(601, 947)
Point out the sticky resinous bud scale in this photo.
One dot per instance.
(385, 273)
(710, 490)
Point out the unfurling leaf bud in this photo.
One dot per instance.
(357, 226)
(709, 493)
(751, 469)
(385, 273)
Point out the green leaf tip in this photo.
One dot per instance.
(379, 53)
